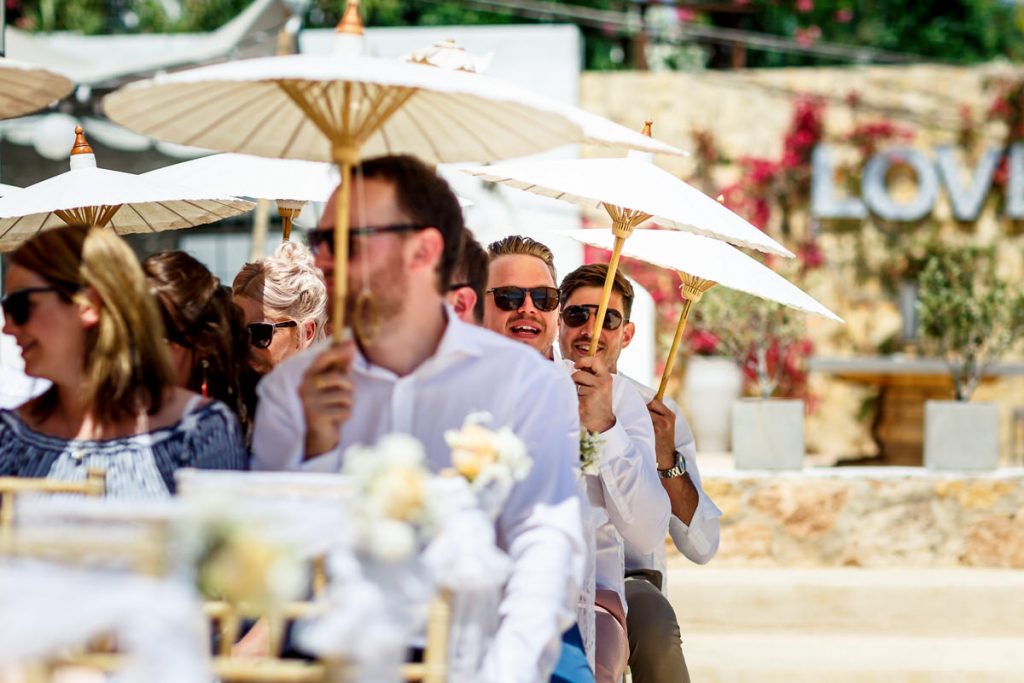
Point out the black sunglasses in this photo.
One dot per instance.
(261, 334)
(513, 298)
(17, 305)
(574, 316)
(318, 239)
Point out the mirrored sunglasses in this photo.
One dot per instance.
(574, 316)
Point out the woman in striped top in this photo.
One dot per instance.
(78, 306)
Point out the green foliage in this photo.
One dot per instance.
(758, 334)
(968, 315)
(963, 32)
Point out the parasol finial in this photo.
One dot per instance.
(647, 127)
(350, 22)
(81, 144)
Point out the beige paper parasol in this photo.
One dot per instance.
(125, 202)
(331, 108)
(25, 88)
(701, 264)
(290, 183)
(632, 190)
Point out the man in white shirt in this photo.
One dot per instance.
(654, 637)
(521, 302)
(422, 373)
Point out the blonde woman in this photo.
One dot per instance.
(78, 306)
(285, 304)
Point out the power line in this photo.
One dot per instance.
(631, 24)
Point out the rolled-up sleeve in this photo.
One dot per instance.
(699, 539)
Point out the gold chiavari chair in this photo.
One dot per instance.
(94, 484)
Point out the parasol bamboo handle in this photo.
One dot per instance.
(341, 247)
(606, 295)
(671, 360)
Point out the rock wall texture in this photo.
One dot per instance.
(869, 517)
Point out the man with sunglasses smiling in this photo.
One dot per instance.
(421, 374)
(523, 305)
(654, 637)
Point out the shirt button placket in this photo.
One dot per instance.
(402, 406)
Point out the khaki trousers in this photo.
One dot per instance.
(655, 646)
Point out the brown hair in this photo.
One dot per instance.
(198, 314)
(426, 199)
(593, 275)
(518, 245)
(126, 366)
(471, 269)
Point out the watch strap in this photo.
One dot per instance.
(677, 470)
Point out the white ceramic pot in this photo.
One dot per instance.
(961, 436)
(768, 434)
(709, 389)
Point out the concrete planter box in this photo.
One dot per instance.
(709, 389)
(768, 434)
(961, 436)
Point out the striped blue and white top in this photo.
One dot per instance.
(139, 466)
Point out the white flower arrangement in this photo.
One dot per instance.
(239, 564)
(491, 461)
(591, 448)
(389, 509)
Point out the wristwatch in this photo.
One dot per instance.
(678, 470)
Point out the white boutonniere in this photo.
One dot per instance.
(591, 449)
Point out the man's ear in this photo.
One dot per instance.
(309, 327)
(89, 305)
(427, 247)
(628, 330)
(463, 300)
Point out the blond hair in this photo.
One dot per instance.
(288, 284)
(126, 367)
(518, 245)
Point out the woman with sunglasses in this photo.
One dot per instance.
(284, 300)
(206, 333)
(78, 306)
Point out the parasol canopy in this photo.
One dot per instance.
(635, 185)
(701, 263)
(710, 260)
(125, 202)
(25, 88)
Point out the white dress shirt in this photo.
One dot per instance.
(472, 370)
(627, 487)
(697, 540)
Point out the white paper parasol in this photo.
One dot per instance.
(125, 202)
(288, 182)
(24, 88)
(632, 190)
(339, 109)
(701, 264)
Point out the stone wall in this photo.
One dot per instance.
(869, 517)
